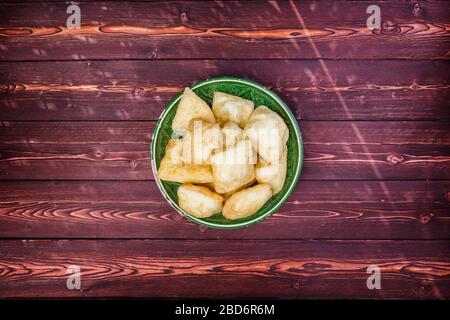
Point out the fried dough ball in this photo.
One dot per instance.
(200, 141)
(199, 201)
(246, 202)
(171, 167)
(227, 107)
(234, 167)
(273, 173)
(267, 132)
(191, 107)
(232, 133)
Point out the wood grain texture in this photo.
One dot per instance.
(227, 30)
(140, 90)
(225, 269)
(317, 209)
(77, 111)
(334, 150)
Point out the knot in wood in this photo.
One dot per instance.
(99, 154)
(138, 92)
(184, 17)
(417, 9)
(394, 159)
(133, 164)
(154, 54)
(426, 218)
(390, 28)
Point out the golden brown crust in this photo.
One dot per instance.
(199, 201)
(267, 132)
(232, 168)
(171, 168)
(232, 133)
(246, 202)
(191, 107)
(227, 195)
(273, 173)
(200, 158)
(200, 141)
(227, 107)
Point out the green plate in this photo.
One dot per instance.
(260, 96)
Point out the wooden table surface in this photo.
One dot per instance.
(77, 111)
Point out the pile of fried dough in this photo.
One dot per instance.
(230, 159)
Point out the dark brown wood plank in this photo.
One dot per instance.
(334, 150)
(139, 90)
(225, 269)
(228, 30)
(317, 209)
